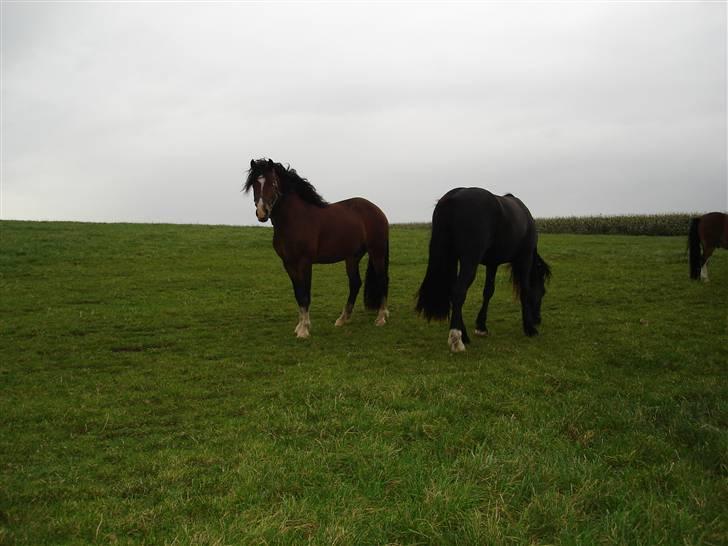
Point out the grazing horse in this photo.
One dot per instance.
(308, 230)
(710, 231)
(472, 226)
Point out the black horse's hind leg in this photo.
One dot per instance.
(481, 328)
(458, 334)
(300, 274)
(522, 272)
(352, 271)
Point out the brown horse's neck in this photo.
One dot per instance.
(289, 207)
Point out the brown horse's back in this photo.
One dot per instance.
(348, 228)
(375, 223)
(713, 229)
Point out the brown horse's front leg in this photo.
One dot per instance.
(300, 274)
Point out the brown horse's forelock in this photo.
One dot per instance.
(253, 173)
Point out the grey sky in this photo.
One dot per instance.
(152, 111)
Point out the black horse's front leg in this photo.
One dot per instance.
(300, 274)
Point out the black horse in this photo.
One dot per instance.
(472, 226)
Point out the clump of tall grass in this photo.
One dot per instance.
(647, 224)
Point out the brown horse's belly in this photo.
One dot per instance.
(341, 235)
(337, 247)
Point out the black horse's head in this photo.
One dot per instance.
(540, 274)
(266, 185)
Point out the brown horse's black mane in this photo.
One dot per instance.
(290, 181)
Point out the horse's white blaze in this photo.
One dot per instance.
(455, 340)
(261, 181)
(260, 209)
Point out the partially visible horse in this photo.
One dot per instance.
(308, 230)
(709, 231)
(471, 226)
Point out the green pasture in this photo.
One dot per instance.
(152, 392)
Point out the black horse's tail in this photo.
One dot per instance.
(376, 285)
(694, 249)
(433, 298)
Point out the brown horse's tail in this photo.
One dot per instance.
(694, 249)
(433, 298)
(376, 283)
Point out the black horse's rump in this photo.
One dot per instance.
(471, 226)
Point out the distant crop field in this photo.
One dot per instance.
(637, 224)
(152, 391)
(647, 224)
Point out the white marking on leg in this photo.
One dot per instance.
(382, 316)
(345, 316)
(455, 341)
(304, 323)
(481, 333)
(704, 272)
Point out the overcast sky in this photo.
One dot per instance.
(151, 112)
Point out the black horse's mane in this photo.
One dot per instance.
(289, 179)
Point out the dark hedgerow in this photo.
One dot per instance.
(651, 224)
(639, 224)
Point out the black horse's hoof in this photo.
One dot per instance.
(531, 332)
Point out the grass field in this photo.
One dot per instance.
(152, 391)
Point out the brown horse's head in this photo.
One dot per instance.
(263, 179)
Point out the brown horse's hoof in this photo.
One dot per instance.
(481, 333)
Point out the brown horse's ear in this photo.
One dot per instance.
(252, 163)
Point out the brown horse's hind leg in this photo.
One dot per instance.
(352, 271)
(380, 269)
(376, 286)
(708, 252)
(383, 314)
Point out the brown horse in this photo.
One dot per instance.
(710, 231)
(307, 230)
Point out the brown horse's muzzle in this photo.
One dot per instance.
(262, 211)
